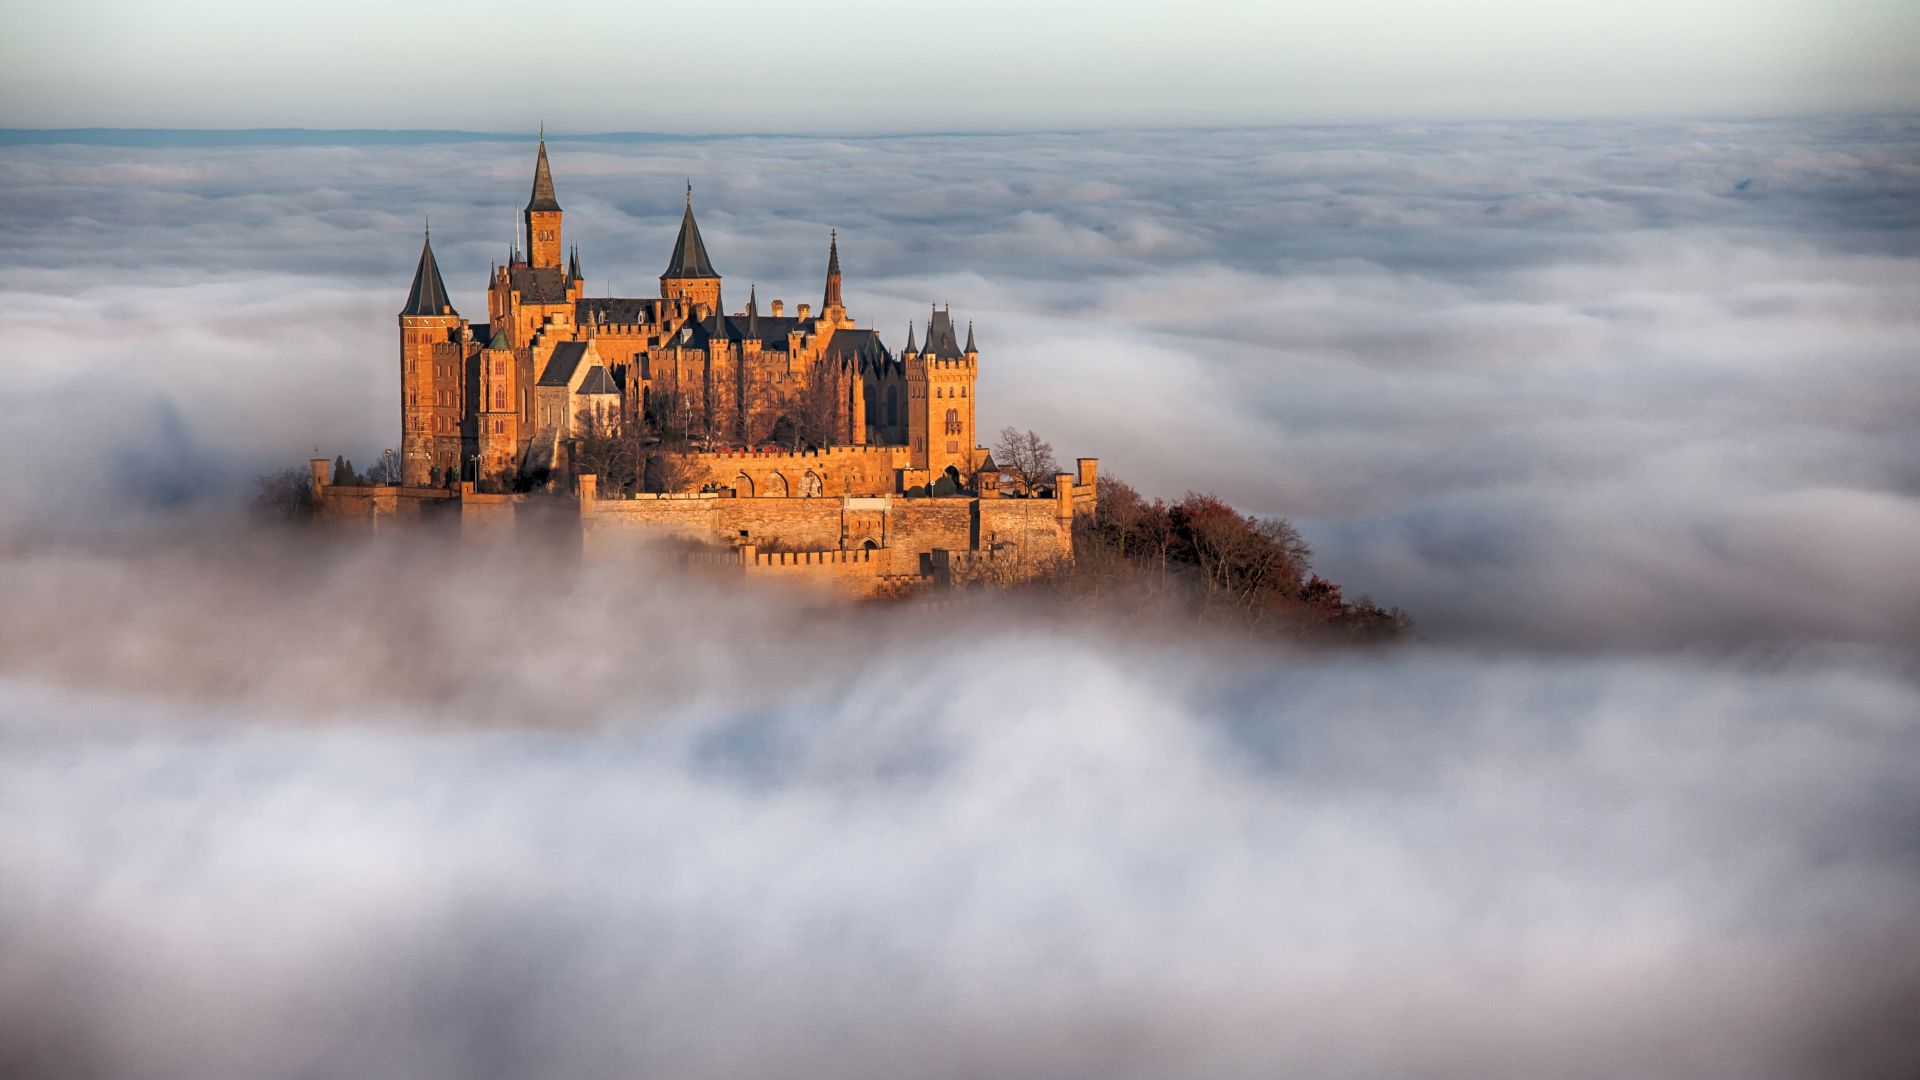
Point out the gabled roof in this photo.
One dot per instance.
(562, 364)
(689, 251)
(863, 346)
(429, 294)
(597, 382)
(542, 197)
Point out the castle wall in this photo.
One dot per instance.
(843, 470)
(375, 505)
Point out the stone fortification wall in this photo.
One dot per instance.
(377, 504)
(858, 574)
(842, 470)
(893, 536)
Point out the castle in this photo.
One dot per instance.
(782, 416)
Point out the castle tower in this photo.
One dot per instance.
(498, 420)
(832, 311)
(940, 395)
(690, 275)
(543, 215)
(430, 384)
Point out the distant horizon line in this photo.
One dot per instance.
(137, 136)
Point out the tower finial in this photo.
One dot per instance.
(428, 230)
(689, 191)
(543, 131)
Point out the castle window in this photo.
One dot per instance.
(963, 391)
(953, 421)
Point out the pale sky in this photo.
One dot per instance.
(888, 65)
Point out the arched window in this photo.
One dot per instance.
(743, 486)
(810, 485)
(893, 406)
(776, 486)
(953, 421)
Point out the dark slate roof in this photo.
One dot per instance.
(597, 382)
(970, 347)
(560, 366)
(543, 197)
(941, 343)
(616, 309)
(911, 347)
(772, 330)
(538, 284)
(689, 251)
(499, 339)
(573, 265)
(429, 294)
(863, 346)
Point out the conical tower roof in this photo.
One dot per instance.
(429, 294)
(832, 299)
(689, 251)
(909, 347)
(543, 197)
(970, 347)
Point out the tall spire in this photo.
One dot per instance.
(832, 299)
(909, 347)
(543, 197)
(689, 251)
(753, 311)
(970, 350)
(429, 294)
(573, 265)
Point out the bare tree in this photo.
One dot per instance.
(816, 418)
(667, 472)
(1026, 457)
(284, 495)
(611, 447)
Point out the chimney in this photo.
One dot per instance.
(804, 308)
(778, 307)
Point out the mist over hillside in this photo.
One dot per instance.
(1622, 412)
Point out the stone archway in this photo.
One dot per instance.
(743, 486)
(776, 486)
(810, 486)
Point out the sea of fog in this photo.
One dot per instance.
(1624, 413)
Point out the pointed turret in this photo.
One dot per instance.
(909, 348)
(429, 294)
(543, 197)
(689, 251)
(543, 214)
(753, 312)
(690, 276)
(573, 265)
(970, 350)
(832, 300)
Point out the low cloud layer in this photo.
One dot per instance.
(1566, 383)
(1623, 413)
(365, 826)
